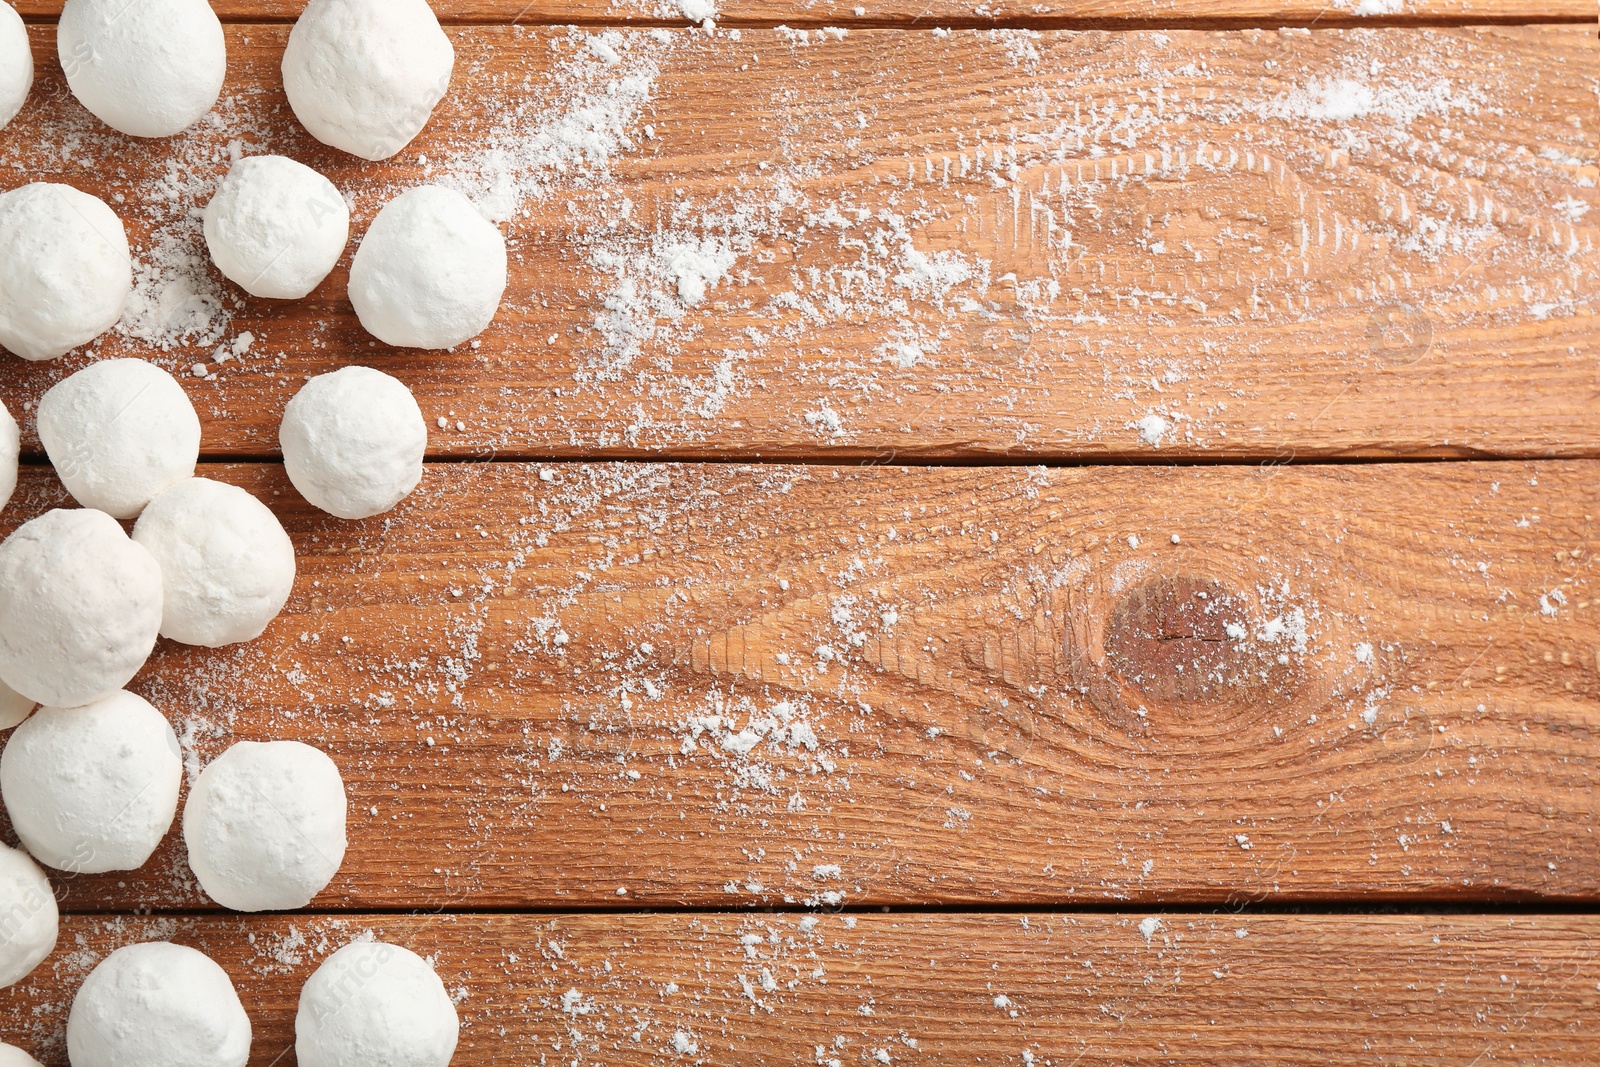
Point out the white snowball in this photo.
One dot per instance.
(93, 788)
(375, 1005)
(226, 564)
(28, 919)
(364, 75)
(14, 707)
(16, 73)
(150, 68)
(68, 273)
(276, 227)
(353, 442)
(82, 607)
(119, 432)
(10, 449)
(157, 1005)
(430, 272)
(11, 1056)
(265, 826)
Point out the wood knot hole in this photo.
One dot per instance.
(1176, 639)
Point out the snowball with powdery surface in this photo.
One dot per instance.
(364, 75)
(119, 432)
(16, 72)
(67, 272)
(157, 1005)
(227, 566)
(353, 442)
(430, 272)
(10, 450)
(29, 922)
(14, 707)
(11, 1056)
(373, 1004)
(265, 826)
(93, 788)
(276, 227)
(82, 607)
(149, 68)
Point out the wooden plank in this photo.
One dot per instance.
(934, 989)
(635, 685)
(1134, 245)
(937, 12)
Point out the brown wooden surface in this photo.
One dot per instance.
(1275, 991)
(1007, 710)
(937, 13)
(1419, 279)
(625, 689)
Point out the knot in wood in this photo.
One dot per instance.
(1175, 639)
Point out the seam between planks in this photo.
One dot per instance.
(1322, 20)
(1329, 908)
(879, 459)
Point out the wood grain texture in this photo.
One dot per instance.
(1282, 991)
(922, 12)
(634, 685)
(1060, 245)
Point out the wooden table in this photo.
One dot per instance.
(1104, 575)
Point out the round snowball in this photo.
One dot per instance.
(276, 227)
(373, 1004)
(226, 565)
(10, 449)
(430, 272)
(81, 610)
(11, 1056)
(157, 1005)
(149, 68)
(353, 442)
(16, 74)
(265, 826)
(14, 707)
(28, 919)
(93, 788)
(119, 432)
(364, 75)
(68, 272)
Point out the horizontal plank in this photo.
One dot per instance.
(1060, 245)
(924, 12)
(635, 685)
(932, 989)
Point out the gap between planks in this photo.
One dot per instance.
(1328, 19)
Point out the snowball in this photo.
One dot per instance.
(68, 273)
(276, 227)
(364, 75)
(119, 432)
(11, 1056)
(157, 1005)
(28, 919)
(353, 442)
(265, 826)
(430, 271)
(374, 1005)
(16, 78)
(93, 788)
(226, 564)
(14, 707)
(82, 607)
(10, 449)
(150, 68)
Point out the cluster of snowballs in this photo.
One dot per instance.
(91, 779)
